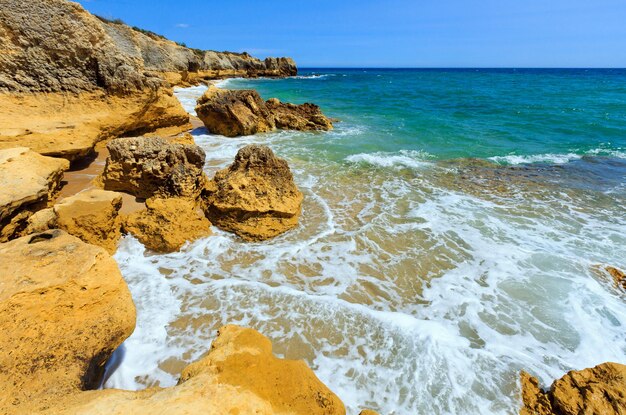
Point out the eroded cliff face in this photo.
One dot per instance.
(56, 45)
(69, 79)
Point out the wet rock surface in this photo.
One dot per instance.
(242, 112)
(597, 390)
(167, 224)
(255, 197)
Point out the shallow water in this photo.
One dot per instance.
(450, 229)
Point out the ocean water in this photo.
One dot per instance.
(452, 231)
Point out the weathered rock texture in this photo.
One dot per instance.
(242, 112)
(167, 224)
(304, 117)
(149, 166)
(255, 197)
(28, 182)
(240, 375)
(69, 79)
(93, 216)
(596, 391)
(234, 112)
(55, 45)
(64, 308)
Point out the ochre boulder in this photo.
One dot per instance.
(149, 166)
(234, 112)
(594, 391)
(255, 197)
(93, 216)
(305, 117)
(240, 375)
(64, 308)
(166, 224)
(28, 182)
(243, 112)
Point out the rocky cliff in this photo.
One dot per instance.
(56, 45)
(69, 79)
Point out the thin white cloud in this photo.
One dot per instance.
(182, 25)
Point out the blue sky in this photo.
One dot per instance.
(393, 33)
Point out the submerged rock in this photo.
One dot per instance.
(243, 112)
(305, 117)
(618, 276)
(239, 375)
(28, 182)
(234, 112)
(598, 390)
(167, 224)
(149, 166)
(255, 197)
(64, 308)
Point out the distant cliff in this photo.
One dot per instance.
(57, 46)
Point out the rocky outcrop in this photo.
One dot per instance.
(167, 224)
(234, 112)
(93, 216)
(64, 308)
(598, 390)
(240, 375)
(69, 79)
(55, 45)
(149, 166)
(305, 117)
(242, 112)
(255, 197)
(28, 182)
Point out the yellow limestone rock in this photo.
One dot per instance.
(239, 375)
(600, 390)
(167, 223)
(64, 308)
(93, 216)
(28, 181)
(255, 197)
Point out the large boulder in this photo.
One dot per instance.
(239, 375)
(93, 216)
(600, 390)
(149, 166)
(255, 197)
(304, 117)
(234, 112)
(64, 308)
(166, 224)
(28, 182)
(243, 112)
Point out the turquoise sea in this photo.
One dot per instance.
(454, 230)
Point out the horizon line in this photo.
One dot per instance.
(462, 67)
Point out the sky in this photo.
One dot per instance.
(392, 33)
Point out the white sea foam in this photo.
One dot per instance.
(322, 76)
(402, 294)
(536, 158)
(189, 96)
(402, 159)
(550, 158)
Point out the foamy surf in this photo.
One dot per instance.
(405, 290)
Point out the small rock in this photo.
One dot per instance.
(167, 224)
(598, 390)
(255, 197)
(149, 166)
(618, 276)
